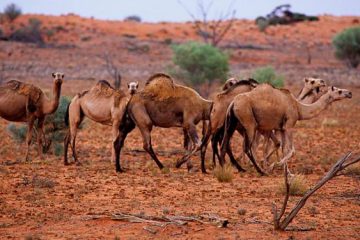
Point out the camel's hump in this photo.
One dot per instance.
(159, 76)
(249, 82)
(25, 89)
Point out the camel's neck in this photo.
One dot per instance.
(50, 106)
(304, 92)
(308, 111)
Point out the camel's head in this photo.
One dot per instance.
(313, 83)
(58, 77)
(132, 87)
(338, 93)
(229, 83)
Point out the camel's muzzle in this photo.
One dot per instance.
(348, 95)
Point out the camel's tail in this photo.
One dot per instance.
(67, 116)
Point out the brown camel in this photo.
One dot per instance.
(102, 104)
(267, 109)
(23, 102)
(165, 104)
(231, 89)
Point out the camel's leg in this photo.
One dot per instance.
(267, 152)
(233, 160)
(214, 145)
(186, 143)
(66, 146)
(40, 134)
(248, 139)
(29, 136)
(191, 128)
(75, 119)
(204, 144)
(230, 127)
(288, 146)
(115, 138)
(125, 129)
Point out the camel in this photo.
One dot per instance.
(218, 118)
(102, 104)
(311, 92)
(222, 100)
(132, 87)
(164, 104)
(23, 102)
(267, 109)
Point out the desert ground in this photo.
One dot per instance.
(43, 199)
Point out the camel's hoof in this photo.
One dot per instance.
(189, 167)
(241, 170)
(178, 164)
(120, 170)
(66, 164)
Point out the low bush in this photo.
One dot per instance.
(268, 75)
(12, 11)
(199, 63)
(133, 18)
(298, 185)
(224, 174)
(347, 46)
(30, 33)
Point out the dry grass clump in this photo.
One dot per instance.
(353, 171)
(224, 174)
(329, 122)
(298, 185)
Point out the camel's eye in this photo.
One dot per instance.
(340, 92)
(312, 82)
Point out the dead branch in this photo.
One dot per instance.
(340, 165)
(112, 69)
(163, 221)
(212, 32)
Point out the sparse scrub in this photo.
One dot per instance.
(42, 182)
(298, 186)
(347, 46)
(17, 133)
(268, 75)
(12, 11)
(224, 174)
(328, 122)
(133, 18)
(30, 33)
(353, 171)
(241, 211)
(200, 63)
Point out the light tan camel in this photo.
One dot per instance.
(163, 103)
(133, 87)
(22, 102)
(222, 100)
(102, 104)
(311, 92)
(268, 109)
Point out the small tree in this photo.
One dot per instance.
(347, 46)
(12, 11)
(112, 69)
(268, 75)
(200, 63)
(133, 18)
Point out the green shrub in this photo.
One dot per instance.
(133, 18)
(200, 63)
(30, 33)
(12, 11)
(17, 133)
(268, 75)
(58, 149)
(347, 46)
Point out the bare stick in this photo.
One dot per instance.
(340, 165)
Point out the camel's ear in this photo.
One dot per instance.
(332, 88)
(306, 80)
(128, 85)
(137, 84)
(62, 75)
(53, 75)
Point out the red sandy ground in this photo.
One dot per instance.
(62, 211)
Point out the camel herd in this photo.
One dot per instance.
(254, 110)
